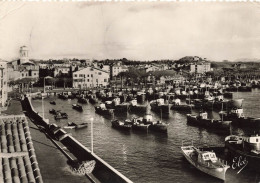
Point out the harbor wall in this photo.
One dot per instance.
(102, 171)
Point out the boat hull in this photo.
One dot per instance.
(215, 172)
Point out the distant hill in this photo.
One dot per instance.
(247, 60)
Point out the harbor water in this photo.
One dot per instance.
(150, 157)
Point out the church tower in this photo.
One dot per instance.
(24, 56)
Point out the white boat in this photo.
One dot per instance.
(205, 161)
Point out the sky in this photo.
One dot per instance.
(133, 30)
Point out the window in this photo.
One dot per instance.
(22, 75)
(256, 140)
(35, 74)
(88, 75)
(105, 80)
(92, 75)
(75, 75)
(99, 73)
(88, 80)
(97, 80)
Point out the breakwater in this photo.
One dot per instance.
(102, 171)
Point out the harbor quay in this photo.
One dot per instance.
(100, 170)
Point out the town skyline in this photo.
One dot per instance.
(136, 31)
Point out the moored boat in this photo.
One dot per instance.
(52, 111)
(205, 161)
(77, 107)
(61, 115)
(121, 125)
(101, 109)
(243, 151)
(202, 120)
(160, 106)
(53, 102)
(72, 125)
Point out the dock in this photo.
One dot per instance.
(103, 172)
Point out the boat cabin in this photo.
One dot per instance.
(133, 102)
(160, 101)
(148, 118)
(177, 102)
(103, 106)
(207, 156)
(203, 115)
(238, 112)
(116, 101)
(252, 143)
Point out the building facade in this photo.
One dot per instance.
(90, 77)
(23, 67)
(200, 68)
(3, 84)
(117, 68)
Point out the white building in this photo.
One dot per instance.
(90, 77)
(117, 68)
(3, 83)
(23, 67)
(200, 68)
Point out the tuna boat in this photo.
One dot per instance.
(158, 126)
(244, 151)
(181, 107)
(126, 125)
(101, 109)
(159, 105)
(138, 124)
(202, 120)
(237, 117)
(205, 161)
(134, 107)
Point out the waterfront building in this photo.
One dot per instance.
(90, 77)
(117, 68)
(3, 84)
(200, 67)
(22, 67)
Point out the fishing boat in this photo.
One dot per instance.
(72, 125)
(139, 125)
(126, 125)
(53, 102)
(181, 107)
(63, 95)
(205, 161)
(101, 109)
(202, 120)
(77, 107)
(134, 107)
(82, 100)
(61, 115)
(236, 115)
(244, 151)
(160, 105)
(158, 126)
(52, 111)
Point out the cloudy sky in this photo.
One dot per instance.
(139, 31)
